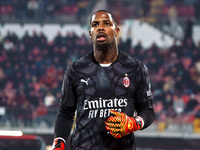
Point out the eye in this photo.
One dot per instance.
(108, 24)
(94, 25)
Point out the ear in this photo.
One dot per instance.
(90, 34)
(117, 30)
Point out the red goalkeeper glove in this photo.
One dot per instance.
(58, 144)
(121, 124)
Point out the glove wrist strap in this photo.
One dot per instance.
(135, 123)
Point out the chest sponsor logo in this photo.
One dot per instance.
(126, 81)
(101, 107)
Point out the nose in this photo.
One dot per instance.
(101, 27)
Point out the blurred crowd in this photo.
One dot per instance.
(41, 10)
(76, 10)
(32, 69)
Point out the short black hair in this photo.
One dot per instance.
(113, 17)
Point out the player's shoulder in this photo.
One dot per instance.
(79, 65)
(126, 59)
(82, 62)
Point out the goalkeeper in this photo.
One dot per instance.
(110, 92)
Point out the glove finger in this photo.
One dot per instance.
(115, 112)
(107, 128)
(114, 119)
(114, 130)
(116, 135)
(113, 134)
(115, 125)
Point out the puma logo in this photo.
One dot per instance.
(85, 81)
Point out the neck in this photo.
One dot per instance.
(106, 57)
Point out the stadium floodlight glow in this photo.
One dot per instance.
(10, 133)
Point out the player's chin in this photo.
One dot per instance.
(102, 46)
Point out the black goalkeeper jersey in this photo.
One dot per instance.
(93, 91)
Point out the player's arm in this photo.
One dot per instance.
(121, 124)
(62, 128)
(144, 98)
(64, 120)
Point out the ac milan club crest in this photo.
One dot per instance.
(126, 81)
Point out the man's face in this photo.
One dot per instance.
(103, 30)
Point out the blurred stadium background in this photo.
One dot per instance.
(39, 38)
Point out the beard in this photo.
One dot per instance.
(104, 47)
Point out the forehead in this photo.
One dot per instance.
(101, 16)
